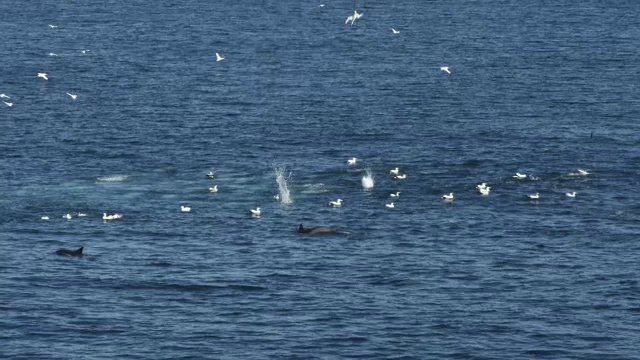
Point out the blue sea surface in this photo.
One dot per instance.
(540, 87)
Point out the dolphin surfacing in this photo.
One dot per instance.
(317, 230)
(67, 252)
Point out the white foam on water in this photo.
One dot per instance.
(367, 180)
(283, 187)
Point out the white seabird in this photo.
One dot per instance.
(4, 96)
(352, 161)
(395, 194)
(571, 194)
(395, 32)
(401, 177)
(395, 171)
(336, 203)
(9, 104)
(445, 69)
(72, 96)
(185, 208)
(535, 196)
(255, 212)
(447, 197)
(219, 57)
(519, 176)
(43, 75)
(213, 189)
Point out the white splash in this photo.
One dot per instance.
(283, 188)
(367, 180)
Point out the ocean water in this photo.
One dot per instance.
(540, 87)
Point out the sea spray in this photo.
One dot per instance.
(283, 188)
(367, 180)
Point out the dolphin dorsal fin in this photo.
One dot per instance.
(79, 251)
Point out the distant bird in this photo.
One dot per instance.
(43, 75)
(219, 57)
(336, 203)
(72, 96)
(52, 54)
(106, 217)
(85, 51)
(395, 32)
(401, 177)
(82, 215)
(4, 96)
(211, 175)
(255, 212)
(485, 190)
(356, 15)
(445, 69)
(481, 186)
(447, 197)
(53, 26)
(519, 176)
(321, 5)
(395, 194)
(535, 196)
(276, 197)
(67, 216)
(213, 189)
(9, 104)
(390, 205)
(571, 194)
(44, 218)
(185, 208)
(395, 171)
(352, 161)
(579, 172)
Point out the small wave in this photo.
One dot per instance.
(113, 178)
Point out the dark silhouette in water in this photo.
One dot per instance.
(317, 230)
(74, 253)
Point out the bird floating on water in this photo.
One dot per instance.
(213, 189)
(72, 96)
(485, 190)
(43, 75)
(571, 194)
(336, 203)
(211, 175)
(45, 217)
(255, 212)
(390, 205)
(52, 54)
(352, 161)
(579, 172)
(219, 57)
(401, 177)
(445, 69)
(185, 208)
(53, 26)
(106, 217)
(67, 216)
(4, 96)
(395, 32)
(395, 171)
(519, 176)
(85, 51)
(447, 197)
(535, 196)
(9, 104)
(395, 194)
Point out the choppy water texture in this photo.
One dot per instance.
(539, 87)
